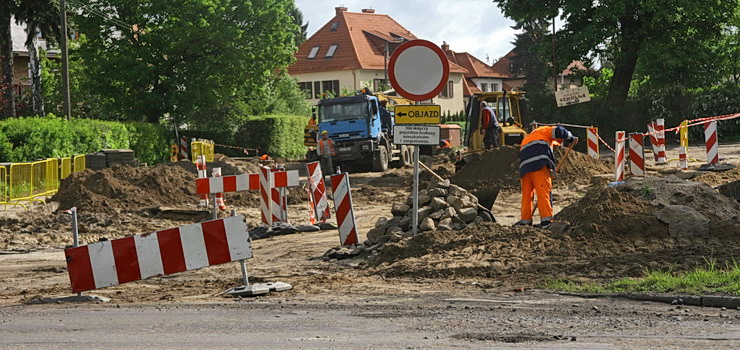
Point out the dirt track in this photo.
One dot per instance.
(33, 266)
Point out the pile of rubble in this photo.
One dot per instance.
(442, 207)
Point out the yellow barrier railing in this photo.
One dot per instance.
(20, 184)
(79, 163)
(3, 185)
(202, 147)
(66, 168)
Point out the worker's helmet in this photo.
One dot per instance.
(324, 132)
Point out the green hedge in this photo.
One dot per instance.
(32, 138)
(278, 135)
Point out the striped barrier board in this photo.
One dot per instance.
(683, 163)
(592, 136)
(637, 155)
(219, 195)
(317, 188)
(245, 182)
(660, 127)
(344, 209)
(184, 147)
(619, 159)
(710, 137)
(165, 252)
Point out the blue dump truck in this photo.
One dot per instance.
(362, 131)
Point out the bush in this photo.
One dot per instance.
(278, 135)
(32, 138)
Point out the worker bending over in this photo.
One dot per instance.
(536, 160)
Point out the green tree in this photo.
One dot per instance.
(302, 32)
(651, 29)
(203, 62)
(7, 99)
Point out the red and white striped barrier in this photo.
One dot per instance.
(231, 183)
(165, 252)
(660, 128)
(344, 209)
(653, 139)
(200, 164)
(710, 137)
(311, 210)
(219, 195)
(637, 155)
(279, 200)
(683, 163)
(184, 148)
(265, 188)
(592, 136)
(317, 187)
(619, 156)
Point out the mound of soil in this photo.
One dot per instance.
(715, 179)
(126, 189)
(499, 168)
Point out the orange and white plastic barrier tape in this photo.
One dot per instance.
(134, 258)
(219, 195)
(317, 188)
(592, 136)
(344, 209)
(200, 164)
(637, 155)
(619, 159)
(710, 137)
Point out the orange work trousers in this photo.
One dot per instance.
(540, 182)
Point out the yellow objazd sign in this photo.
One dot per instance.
(418, 114)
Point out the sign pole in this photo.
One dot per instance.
(415, 214)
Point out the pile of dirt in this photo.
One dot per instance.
(715, 179)
(127, 189)
(499, 168)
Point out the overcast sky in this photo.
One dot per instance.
(475, 26)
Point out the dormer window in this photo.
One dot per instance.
(334, 26)
(331, 51)
(314, 52)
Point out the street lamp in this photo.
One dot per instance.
(385, 61)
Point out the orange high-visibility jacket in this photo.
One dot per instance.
(536, 149)
(322, 147)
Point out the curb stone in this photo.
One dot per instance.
(692, 300)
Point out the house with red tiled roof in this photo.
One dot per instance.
(480, 76)
(352, 51)
(516, 78)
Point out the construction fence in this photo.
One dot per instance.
(202, 148)
(29, 181)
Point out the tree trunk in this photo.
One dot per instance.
(7, 98)
(625, 61)
(38, 98)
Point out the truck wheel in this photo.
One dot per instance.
(406, 155)
(380, 163)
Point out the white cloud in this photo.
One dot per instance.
(475, 26)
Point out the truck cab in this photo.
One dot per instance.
(362, 131)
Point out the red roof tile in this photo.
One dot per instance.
(360, 40)
(475, 67)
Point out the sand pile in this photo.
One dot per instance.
(499, 168)
(715, 179)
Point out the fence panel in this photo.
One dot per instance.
(20, 184)
(79, 163)
(202, 147)
(38, 178)
(66, 167)
(3, 185)
(51, 179)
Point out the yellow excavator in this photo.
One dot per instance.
(510, 108)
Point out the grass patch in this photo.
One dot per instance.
(709, 279)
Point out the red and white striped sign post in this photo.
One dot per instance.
(660, 127)
(619, 159)
(165, 252)
(712, 144)
(637, 155)
(184, 148)
(279, 201)
(344, 209)
(682, 161)
(317, 188)
(220, 195)
(200, 164)
(592, 136)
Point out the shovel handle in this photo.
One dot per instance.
(560, 163)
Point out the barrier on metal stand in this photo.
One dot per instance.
(637, 155)
(712, 146)
(684, 134)
(200, 164)
(592, 136)
(79, 163)
(265, 189)
(66, 168)
(654, 143)
(682, 161)
(660, 128)
(4, 186)
(199, 147)
(165, 252)
(184, 147)
(278, 200)
(619, 158)
(317, 188)
(220, 195)
(344, 209)
(51, 183)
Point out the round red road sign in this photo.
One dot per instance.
(418, 70)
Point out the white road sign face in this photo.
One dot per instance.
(416, 135)
(418, 70)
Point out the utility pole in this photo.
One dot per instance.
(554, 57)
(65, 61)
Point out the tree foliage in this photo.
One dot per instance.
(204, 62)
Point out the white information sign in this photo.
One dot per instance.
(568, 97)
(416, 135)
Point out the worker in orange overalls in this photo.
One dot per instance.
(536, 160)
(326, 152)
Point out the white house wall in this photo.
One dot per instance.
(499, 83)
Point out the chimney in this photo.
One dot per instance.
(445, 47)
(340, 9)
(368, 10)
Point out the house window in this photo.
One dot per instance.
(334, 26)
(494, 87)
(314, 52)
(447, 91)
(330, 88)
(316, 89)
(306, 88)
(379, 84)
(484, 87)
(331, 51)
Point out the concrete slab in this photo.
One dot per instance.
(248, 291)
(70, 299)
(278, 286)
